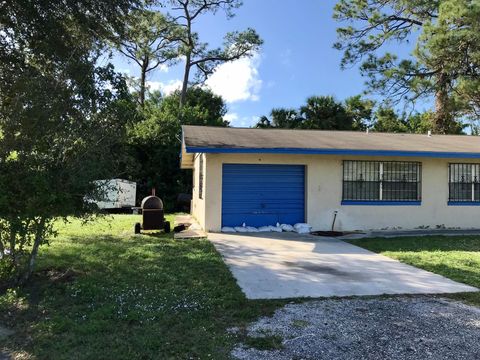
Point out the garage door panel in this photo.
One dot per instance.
(263, 194)
(270, 197)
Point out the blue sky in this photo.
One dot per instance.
(297, 59)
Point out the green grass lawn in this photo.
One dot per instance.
(101, 292)
(455, 257)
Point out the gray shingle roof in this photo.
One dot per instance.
(217, 139)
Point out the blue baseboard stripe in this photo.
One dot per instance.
(382, 203)
(464, 203)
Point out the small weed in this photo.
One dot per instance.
(300, 323)
(268, 342)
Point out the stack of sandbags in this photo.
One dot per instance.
(300, 228)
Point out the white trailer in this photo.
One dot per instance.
(118, 194)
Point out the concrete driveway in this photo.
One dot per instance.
(288, 265)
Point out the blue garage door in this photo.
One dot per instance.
(263, 194)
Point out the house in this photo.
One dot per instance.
(372, 180)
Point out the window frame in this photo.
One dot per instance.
(474, 172)
(200, 177)
(380, 164)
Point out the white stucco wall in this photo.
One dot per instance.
(324, 194)
(198, 205)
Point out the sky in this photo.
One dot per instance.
(296, 61)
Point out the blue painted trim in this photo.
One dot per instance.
(382, 203)
(300, 151)
(464, 203)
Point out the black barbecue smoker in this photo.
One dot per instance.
(152, 215)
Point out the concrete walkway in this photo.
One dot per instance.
(288, 265)
(192, 231)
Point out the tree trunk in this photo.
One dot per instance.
(2, 250)
(143, 80)
(443, 118)
(186, 76)
(39, 233)
(13, 249)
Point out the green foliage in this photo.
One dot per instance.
(355, 113)
(156, 140)
(62, 114)
(360, 110)
(386, 119)
(445, 62)
(421, 123)
(324, 113)
(452, 43)
(281, 118)
(149, 41)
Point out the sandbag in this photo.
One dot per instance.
(251, 229)
(300, 225)
(241, 229)
(302, 228)
(287, 227)
(227, 229)
(264, 229)
(276, 229)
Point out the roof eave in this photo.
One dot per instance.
(354, 152)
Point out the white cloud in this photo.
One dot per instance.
(231, 117)
(163, 68)
(154, 85)
(237, 80)
(244, 121)
(165, 88)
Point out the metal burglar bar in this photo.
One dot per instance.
(200, 178)
(381, 181)
(464, 182)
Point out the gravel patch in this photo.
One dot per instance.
(388, 328)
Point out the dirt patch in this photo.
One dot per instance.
(57, 276)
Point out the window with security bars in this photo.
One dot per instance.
(381, 181)
(464, 182)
